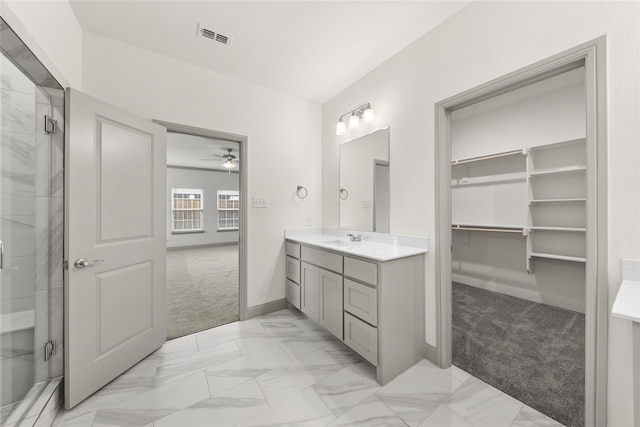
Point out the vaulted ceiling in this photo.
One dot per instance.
(308, 49)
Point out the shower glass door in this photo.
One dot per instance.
(31, 218)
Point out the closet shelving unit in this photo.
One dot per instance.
(555, 226)
(556, 184)
(505, 172)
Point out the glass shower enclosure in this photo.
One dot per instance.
(31, 232)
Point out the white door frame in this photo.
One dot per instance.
(242, 244)
(592, 56)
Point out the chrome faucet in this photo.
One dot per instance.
(355, 237)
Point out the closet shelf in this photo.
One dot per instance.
(578, 229)
(489, 180)
(558, 171)
(488, 157)
(515, 230)
(558, 144)
(555, 256)
(574, 200)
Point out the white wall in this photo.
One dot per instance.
(51, 31)
(283, 139)
(482, 42)
(210, 182)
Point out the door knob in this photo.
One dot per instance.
(82, 262)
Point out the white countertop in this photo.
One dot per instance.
(627, 302)
(375, 246)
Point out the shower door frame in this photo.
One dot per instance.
(24, 53)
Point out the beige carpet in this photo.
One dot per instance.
(202, 289)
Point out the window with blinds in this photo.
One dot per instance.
(187, 209)
(228, 210)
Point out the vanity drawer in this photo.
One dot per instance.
(293, 269)
(293, 294)
(293, 249)
(361, 337)
(361, 300)
(326, 260)
(362, 270)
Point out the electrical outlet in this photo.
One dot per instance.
(260, 202)
(309, 221)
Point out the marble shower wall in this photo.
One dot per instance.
(31, 228)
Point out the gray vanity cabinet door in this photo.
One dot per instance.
(362, 337)
(330, 314)
(361, 301)
(293, 269)
(293, 293)
(310, 283)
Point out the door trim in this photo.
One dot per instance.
(591, 55)
(242, 244)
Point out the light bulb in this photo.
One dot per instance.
(341, 128)
(368, 115)
(229, 164)
(354, 122)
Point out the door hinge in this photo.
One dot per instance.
(49, 349)
(50, 125)
(65, 264)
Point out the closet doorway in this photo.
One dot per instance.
(521, 191)
(204, 225)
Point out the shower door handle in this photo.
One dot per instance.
(1, 255)
(82, 262)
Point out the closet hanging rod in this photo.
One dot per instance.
(490, 229)
(488, 157)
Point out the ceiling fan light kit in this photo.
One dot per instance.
(229, 161)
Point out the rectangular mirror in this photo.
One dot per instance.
(364, 183)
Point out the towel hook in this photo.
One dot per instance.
(302, 192)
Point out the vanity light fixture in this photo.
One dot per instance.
(368, 115)
(364, 112)
(354, 121)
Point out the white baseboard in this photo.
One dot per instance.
(266, 308)
(525, 294)
(431, 353)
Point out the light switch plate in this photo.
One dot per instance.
(260, 202)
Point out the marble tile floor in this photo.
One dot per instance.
(281, 369)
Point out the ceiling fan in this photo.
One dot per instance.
(230, 160)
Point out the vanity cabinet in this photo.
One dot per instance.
(309, 290)
(293, 274)
(321, 287)
(361, 301)
(374, 307)
(361, 337)
(330, 302)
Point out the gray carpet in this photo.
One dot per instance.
(533, 352)
(202, 289)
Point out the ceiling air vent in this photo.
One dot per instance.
(209, 34)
